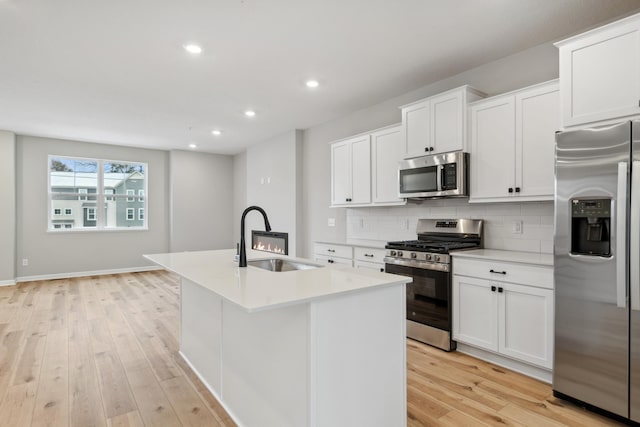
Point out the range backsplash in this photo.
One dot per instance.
(399, 222)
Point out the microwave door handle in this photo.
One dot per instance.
(440, 178)
(634, 248)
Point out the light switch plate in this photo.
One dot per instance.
(331, 222)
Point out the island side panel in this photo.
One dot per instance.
(201, 332)
(265, 366)
(358, 359)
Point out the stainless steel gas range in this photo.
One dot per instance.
(427, 261)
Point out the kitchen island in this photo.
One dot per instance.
(315, 347)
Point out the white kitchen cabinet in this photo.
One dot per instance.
(511, 319)
(600, 73)
(387, 151)
(437, 124)
(369, 258)
(351, 172)
(327, 253)
(513, 145)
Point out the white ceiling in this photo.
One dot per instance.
(115, 71)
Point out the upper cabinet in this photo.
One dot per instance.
(387, 150)
(600, 74)
(351, 171)
(364, 169)
(513, 145)
(437, 124)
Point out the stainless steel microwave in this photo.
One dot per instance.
(438, 175)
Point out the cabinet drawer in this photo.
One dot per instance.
(532, 275)
(333, 250)
(366, 265)
(369, 254)
(330, 259)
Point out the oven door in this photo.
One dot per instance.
(428, 297)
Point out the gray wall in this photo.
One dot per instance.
(83, 251)
(271, 169)
(8, 211)
(201, 188)
(239, 191)
(531, 66)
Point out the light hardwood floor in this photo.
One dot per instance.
(102, 351)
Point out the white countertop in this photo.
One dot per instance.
(507, 256)
(256, 289)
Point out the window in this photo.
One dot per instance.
(100, 190)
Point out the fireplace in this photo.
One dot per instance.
(270, 241)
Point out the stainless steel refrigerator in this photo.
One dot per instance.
(597, 268)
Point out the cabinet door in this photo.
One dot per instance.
(537, 121)
(387, 151)
(415, 126)
(361, 170)
(526, 324)
(600, 75)
(325, 259)
(340, 173)
(493, 148)
(446, 120)
(475, 312)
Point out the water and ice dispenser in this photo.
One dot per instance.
(591, 227)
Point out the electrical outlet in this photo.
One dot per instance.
(25, 262)
(516, 227)
(331, 222)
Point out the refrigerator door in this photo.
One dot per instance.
(634, 283)
(591, 314)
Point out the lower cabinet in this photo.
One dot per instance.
(356, 256)
(513, 320)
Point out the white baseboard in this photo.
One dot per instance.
(211, 389)
(86, 273)
(541, 374)
(7, 282)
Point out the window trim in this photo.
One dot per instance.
(91, 211)
(70, 211)
(141, 214)
(99, 196)
(131, 195)
(133, 214)
(57, 211)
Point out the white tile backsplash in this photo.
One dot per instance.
(399, 222)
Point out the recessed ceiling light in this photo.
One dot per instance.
(312, 83)
(216, 132)
(192, 48)
(193, 146)
(249, 113)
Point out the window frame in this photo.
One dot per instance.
(131, 195)
(133, 214)
(101, 197)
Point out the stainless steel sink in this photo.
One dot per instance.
(280, 265)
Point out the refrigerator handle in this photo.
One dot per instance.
(621, 236)
(634, 247)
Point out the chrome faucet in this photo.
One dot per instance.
(267, 227)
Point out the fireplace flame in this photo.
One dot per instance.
(268, 248)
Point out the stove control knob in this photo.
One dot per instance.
(413, 255)
(399, 253)
(428, 257)
(437, 258)
(392, 253)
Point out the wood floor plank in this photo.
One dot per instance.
(191, 410)
(52, 397)
(130, 419)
